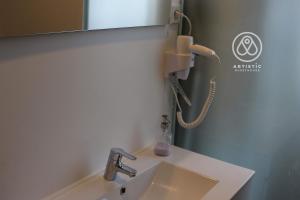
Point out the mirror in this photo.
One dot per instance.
(105, 14)
(29, 17)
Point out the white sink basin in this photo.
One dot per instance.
(164, 182)
(183, 175)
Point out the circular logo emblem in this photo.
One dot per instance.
(247, 47)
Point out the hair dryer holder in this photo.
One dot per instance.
(178, 63)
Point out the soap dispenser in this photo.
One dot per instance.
(162, 148)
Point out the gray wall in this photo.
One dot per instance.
(66, 99)
(254, 121)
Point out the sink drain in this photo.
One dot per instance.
(122, 190)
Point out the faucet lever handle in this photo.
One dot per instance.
(121, 153)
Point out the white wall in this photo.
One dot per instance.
(66, 99)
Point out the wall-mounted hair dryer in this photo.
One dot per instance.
(178, 64)
(180, 61)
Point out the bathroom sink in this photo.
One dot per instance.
(183, 175)
(164, 181)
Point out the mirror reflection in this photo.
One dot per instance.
(28, 17)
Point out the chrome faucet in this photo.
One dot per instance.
(114, 164)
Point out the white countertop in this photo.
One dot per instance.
(231, 178)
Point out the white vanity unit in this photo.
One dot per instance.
(183, 175)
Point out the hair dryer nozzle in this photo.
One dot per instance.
(204, 51)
